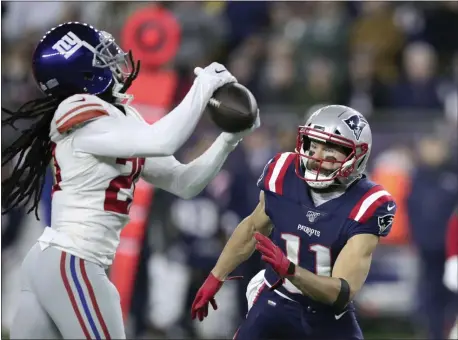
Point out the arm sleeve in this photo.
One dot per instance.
(187, 180)
(379, 223)
(129, 137)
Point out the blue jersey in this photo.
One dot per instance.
(313, 236)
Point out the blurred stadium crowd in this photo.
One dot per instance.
(397, 63)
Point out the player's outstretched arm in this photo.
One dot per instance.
(187, 180)
(352, 265)
(239, 248)
(128, 137)
(241, 244)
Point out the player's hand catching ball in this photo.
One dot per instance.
(214, 76)
(274, 256)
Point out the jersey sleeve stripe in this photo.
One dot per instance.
(80, 118)
(281, 175)
(275, 183)
(269, 172)
(368, 205)
(76, 110)
(384, 197)
(356, 208)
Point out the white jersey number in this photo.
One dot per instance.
(322, 258)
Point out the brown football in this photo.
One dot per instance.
(233, 108)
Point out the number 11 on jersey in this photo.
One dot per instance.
(322, 254)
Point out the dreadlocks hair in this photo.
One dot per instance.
(33, 149)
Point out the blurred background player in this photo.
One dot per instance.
(451, 266)
(99, 146)
(324, 218)
(295, 57)
(434, 193)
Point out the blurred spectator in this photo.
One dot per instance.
(21, 17)
(319, 84)
(418, 88)
(325, 35)
(375, 32)
(193, 234)
(245, 18)
(440, 29)
(448, 92)
(202, 33)
(17, 82)
(278, 79)
(433, 196)
(392, 170)
(366, 92)
(286, 139)
(245, 60)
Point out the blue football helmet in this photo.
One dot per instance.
(77, 58)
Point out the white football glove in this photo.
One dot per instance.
(235, 138)
(213, 76)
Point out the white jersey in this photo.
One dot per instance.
(92, 194)
(99, 153)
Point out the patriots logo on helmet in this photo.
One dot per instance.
(356, 124)
(384, 222)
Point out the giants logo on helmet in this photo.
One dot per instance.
(356, 124)
(68, 45)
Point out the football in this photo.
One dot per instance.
(233, 108)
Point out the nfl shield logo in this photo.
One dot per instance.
(312, 216)
(356, 124)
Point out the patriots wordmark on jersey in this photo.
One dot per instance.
(313, 236)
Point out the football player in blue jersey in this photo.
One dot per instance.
(317, 224)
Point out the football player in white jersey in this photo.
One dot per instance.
(99, 147)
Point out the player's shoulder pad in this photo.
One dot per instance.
(79, 109)
(132, 112)
(376, 202)
(273, 175)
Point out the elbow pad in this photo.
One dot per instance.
(343, 297)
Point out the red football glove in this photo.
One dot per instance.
(205, 295)
(274, 256)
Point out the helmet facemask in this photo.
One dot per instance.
(121, 64)
(321, 173)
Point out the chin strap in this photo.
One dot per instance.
(121, 98)
(120, 89)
